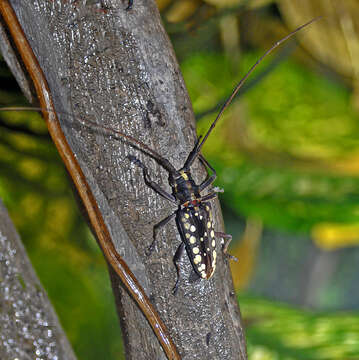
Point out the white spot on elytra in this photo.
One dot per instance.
(212, 233)
(192, 239)
(193, 228)
(186, 216)
(213, 243)
(201, 238)
(195, 250)
(209, 224)
(200, 217)
(197, 259)
(187, 235)
(196, 214)
(203, 274)
(186, 226)
(214, 255)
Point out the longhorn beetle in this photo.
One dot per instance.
(194, 217)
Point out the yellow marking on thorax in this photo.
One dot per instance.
(184, 175)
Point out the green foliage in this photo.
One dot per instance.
(296, 122)
(280, 332)
(79, 287)
(296, 111)
(36, 191)
(286, 199)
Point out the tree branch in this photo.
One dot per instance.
(117, 68)
(29, 326)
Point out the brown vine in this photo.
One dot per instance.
(78, 178)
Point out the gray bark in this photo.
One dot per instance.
(29, 327)
(15, 65)
(117, 68)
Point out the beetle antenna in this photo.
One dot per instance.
(131, 140)
(245, 77)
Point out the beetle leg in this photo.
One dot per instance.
(209, 196)
(218, 189)
(176, 258)
(129, 6)
(155, 230)
(210, 179)
(149, 181)
(226, 240)
(207, 182)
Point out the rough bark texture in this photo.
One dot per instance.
(117, 68)
(29, 327)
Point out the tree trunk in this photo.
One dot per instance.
(29, 327)
(117, 68)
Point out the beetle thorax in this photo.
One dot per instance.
(185, 189)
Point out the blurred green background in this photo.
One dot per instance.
(286, 153)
